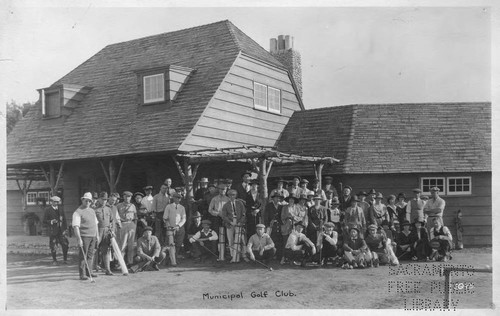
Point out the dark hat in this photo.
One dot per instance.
(355, 228)
(363, 193)
(103, 195)
(402, 195)
(148, 187)
(328, 178)
(176, 195)
(379, 195)
(291, 196)
(372, 191)
(148, 228)
(247, 172)
(139, 193)
(299, 223)
(196, 214)
(127, 193)
(347, 187)
(385, 222)
(417, 190)
(260, 226)
(297, 178)
(204, 180)
(304, 181)
(435, 189)
(355, 198)
(405, 223)
(329, 224)
(206, 222)
(115, 194)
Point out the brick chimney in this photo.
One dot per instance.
(282, 49)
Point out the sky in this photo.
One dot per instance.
(349, 54)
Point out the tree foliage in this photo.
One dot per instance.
(15, 112)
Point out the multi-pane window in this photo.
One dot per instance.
(266, 98)
(31, 198)
(154, 88)
(260, 96)
(459, 185)
(274, 100)
(44, 195)
(428, 183)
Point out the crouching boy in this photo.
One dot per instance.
(149, 254)
(356, 252)
(298, 246)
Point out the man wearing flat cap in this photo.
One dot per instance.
(354, 217)
(234, 218)
(329, 186)
(55, 219)
(106, 223)
(128, 218)
(298, 247)
(174, 218)
(303, 188)
(204, 242)
(327, 242)
(317, 216)
(415, 208)
(84, 223)
(260, 245)
(434, 208)
(149, 254)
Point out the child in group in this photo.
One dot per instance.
(376, 243)
(356, 253)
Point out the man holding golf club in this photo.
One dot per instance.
(260, 245)
(85, 228)
(204, 242)
(149, 252)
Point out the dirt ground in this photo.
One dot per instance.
(196, 286)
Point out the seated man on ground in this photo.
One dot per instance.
(421, 242)
(149, 254)
(441, 241)
(298, 246)
(377, 243)
(204, 242)
(327, 244)
(260, 245)
(356, 253)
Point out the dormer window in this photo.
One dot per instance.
(154, 88)
(161, 85)
(51, 103)
(61, 99)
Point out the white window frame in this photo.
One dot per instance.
(433, 178)
(461, 192)
(152, 100)
(44, 194)
(279, 100)
(255, 104)
(265, 107)
(34, 194)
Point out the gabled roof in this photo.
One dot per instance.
(394, 138)
(108, 121)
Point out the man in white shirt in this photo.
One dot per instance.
(434, 208)
(174, 218)
(298, 246)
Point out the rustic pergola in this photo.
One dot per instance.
(260, 158)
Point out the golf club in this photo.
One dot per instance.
(87, 264)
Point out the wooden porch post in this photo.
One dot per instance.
(110, 174)
(188, 175)
(263, 167)
(51, 177)
(318, 169)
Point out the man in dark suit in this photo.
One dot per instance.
(243, 188)
(55, 219)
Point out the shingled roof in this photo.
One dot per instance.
(394, 138)
(108, 122)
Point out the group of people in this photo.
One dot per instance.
(296, 225)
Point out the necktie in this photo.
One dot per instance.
(234, 208)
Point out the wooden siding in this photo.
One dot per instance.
(230, 119)
(476, 208)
